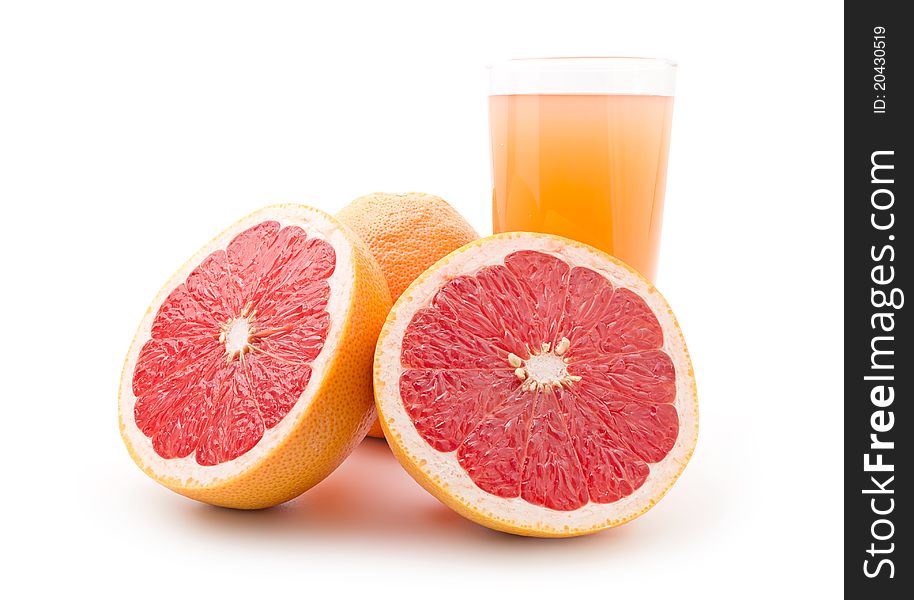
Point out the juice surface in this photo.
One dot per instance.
(588, 167)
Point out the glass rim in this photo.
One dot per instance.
(612, 75)
(585, 63)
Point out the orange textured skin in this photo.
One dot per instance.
(406, 233)
(335, 422)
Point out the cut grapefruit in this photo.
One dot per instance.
(406, 233)
(249, 379)
(537, 386)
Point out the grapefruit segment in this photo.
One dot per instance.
(611, 470)
(537, 386)
(544, 281)
(464, 301)
(446, 405)
(246, 382)
(430, 344)
(644, 376)
(182, 317)
(493, 451)
(552, 473)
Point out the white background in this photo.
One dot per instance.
(130, 134)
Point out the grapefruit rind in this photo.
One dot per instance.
(442, 475)
(333, 413)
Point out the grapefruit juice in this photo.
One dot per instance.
(590, 167)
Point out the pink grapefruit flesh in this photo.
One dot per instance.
(531, 375)
(250, 377)
(232, 346)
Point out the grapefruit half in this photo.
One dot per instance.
(537, 386)
(249, 379)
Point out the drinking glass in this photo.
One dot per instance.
(580, 149)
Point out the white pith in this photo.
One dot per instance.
(237, 336)
(545, 367)
(445, 471)
(187, 471)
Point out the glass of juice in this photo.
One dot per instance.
(580, 149)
